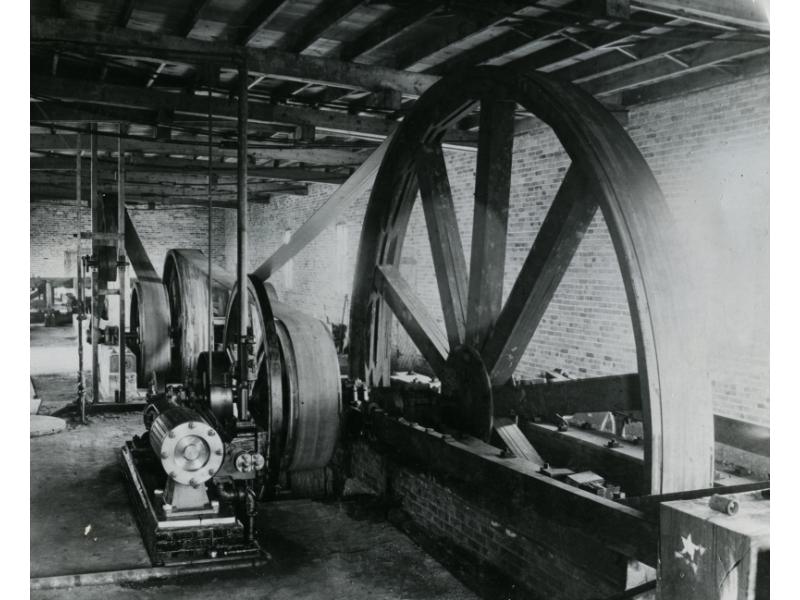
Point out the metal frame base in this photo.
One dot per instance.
(168, 540)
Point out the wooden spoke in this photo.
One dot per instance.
(490, 222)
(446, 248)
(413, 316)
(558, 239)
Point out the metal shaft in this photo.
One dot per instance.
(241, 249)
(79, 291)
(210, 266)
(121, 261)
(95, 321)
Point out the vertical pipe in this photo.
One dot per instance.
(241, 247)
(210, 247)
(80, 289)
(95, 287)
(121, 262)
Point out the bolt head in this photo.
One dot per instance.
(164, 455)
(171, 434)
(211, 433)
(191, 424)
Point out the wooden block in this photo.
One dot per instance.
(710, 555)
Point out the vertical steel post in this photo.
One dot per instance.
(241, 248)
(95, 287)
(121, 262)
(210, 247)
(79, 287)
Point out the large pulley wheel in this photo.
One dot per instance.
(186, 282)
(149, 326)
(295, 390)
(490, 336)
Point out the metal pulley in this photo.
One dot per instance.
(190, 450)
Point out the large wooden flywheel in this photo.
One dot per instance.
(484, 338)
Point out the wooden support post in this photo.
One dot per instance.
(121, 262)
(210, 247)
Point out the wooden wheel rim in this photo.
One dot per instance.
(675, 394)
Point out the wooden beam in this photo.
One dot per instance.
(106, 143)
(261, 16)
(199, 168)
(191, 17)
(314, 25)
(180, 185)
(596, 394)
(697, 81)
(273, 63)
(647, 74)
(539, 504)
(198, 106)
(398, 22)
(753, 14)
(168, 201)
(125, 13)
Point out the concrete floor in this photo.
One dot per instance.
(318, 550)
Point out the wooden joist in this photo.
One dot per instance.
(197, 169)
(45, 142)
(272, 63)
(753, 14)
(198, 106)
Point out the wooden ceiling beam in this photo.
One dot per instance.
(58, 33)
(398, 23)
(260, 17)
(195, 168)
(653, 72)
(752, 14)
(125, 13)
(200, 190)
(108, 143)
(197, 106)
(325, 16)
(155, 200)
(191, 17)
(697, 81)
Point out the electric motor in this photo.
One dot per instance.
(191, 451)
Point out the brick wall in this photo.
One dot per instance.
(53, 228)
(710, 154)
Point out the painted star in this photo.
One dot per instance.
(689, 547)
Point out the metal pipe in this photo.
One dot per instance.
(80, 289)
(95, 321)
(241, 249)
(121, 262)
(210, 266)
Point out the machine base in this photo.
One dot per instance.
(172, 541)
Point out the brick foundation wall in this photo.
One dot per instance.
(450, 519)
(710, 154)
